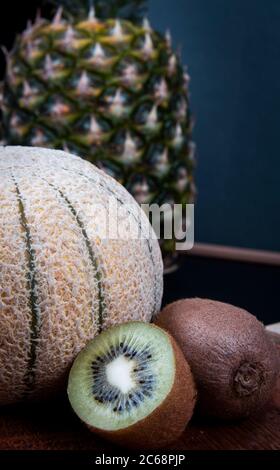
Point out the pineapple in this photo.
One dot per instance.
(99, 82)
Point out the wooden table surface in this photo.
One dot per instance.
(54, 427)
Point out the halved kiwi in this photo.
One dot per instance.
(133, 386)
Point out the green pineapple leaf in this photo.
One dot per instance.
(133, 10)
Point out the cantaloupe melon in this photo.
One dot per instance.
(60, 282)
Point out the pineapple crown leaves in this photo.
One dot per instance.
(133, 10)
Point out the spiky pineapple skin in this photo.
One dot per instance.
(110, 91)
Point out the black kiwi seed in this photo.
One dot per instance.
(149, 387)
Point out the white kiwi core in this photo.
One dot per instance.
(119, 374)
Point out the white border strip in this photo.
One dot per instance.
(274, 328)
(235, 254)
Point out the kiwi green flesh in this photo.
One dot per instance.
(122, 376)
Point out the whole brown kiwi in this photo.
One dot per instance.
(233, 361)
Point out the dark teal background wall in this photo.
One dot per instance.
(232, 48)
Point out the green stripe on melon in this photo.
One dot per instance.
(138, 220)
(60, 283)
(31, 287)
(92, 257)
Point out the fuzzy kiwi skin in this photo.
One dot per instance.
(233, 361)
(167, 422)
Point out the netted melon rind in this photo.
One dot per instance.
(81, 283)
